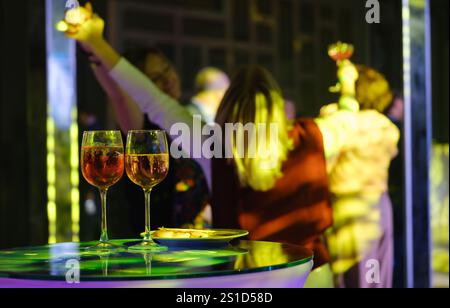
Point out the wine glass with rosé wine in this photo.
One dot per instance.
(147, 165)
(102, 165)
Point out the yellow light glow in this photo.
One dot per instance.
(62, 129)
(51, 176)
(50, 126)
(51, 180)
(51, 161)
(51, 143)
(62, 26)
(51, 193)
(75, 197)
(406, 13)
(75, 200)
(74, 177)
(439, 199)
(51, 212)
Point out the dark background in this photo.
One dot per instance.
(289, 37)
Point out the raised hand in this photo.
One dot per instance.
(74, 17)
(78, 15)
(87, 28)
(83, 25)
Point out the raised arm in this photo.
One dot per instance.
(87, 28)
(338, 122)
(160, 108)
(127, 113)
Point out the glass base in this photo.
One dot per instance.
(147, 246)
(106, 247)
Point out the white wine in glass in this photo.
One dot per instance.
(147, 165)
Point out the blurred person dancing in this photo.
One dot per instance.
(361, 238)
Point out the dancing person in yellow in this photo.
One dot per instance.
(361, 240)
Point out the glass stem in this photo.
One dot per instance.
(104, 237)
(148, 228)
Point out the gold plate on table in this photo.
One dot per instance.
(193, 238)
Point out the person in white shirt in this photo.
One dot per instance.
(210, 85)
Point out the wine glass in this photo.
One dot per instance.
(147, 165)
(102, 165)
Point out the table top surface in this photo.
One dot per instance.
(53, 262)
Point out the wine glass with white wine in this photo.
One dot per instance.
(147, 165)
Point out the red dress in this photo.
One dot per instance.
(296, 211)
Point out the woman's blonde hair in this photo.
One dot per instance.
(373, 90)
(254, 98)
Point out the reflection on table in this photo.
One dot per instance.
(245, 263)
